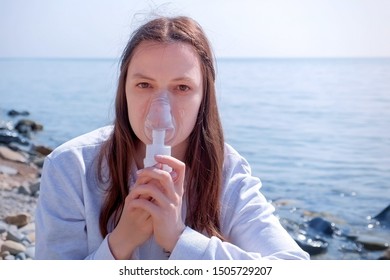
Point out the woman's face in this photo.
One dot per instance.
(164, 69)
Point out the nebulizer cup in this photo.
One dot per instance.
(159, 129)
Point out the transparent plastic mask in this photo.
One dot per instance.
(159, 129)
(160, 119)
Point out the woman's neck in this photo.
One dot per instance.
(179, 151)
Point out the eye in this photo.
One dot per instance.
(183, 88)
(143, 85)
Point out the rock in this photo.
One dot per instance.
(19, 147)
(20, 169)
(29, 188)
(19, 220)
(27, 174)
(321, 226)
(8, 154)
(373, 243)
(3, 227)
(351, 247)
(384, 217)
(15, 235)
(21, 256)
(9, 258)
(13, 247)
(25, 126)
(24, 190)
(27, 228)
(34, 188)
(14, 113)
(31, 237)
(310, 244)
(30, 252)
(8, 170)
(386, 255)
(6, 125)
(39, 161)
(12, 203)
(4, 254)
(7, 137)
(43, 150)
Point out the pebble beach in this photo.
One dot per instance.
(20, 170)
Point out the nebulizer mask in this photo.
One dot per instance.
(159, 129)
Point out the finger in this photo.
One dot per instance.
(149, 193)
(129, 210)
(142, 180)
(178, 170)
(145, 180)
(147, 206)
(163, 178)
(149, 181)
(140, 214)
(174, 163)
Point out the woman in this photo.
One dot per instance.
(99, 201)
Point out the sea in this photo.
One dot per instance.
(315, 131)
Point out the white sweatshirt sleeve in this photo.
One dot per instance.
(61, 216)
(247, 223)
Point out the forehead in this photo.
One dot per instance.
(154, 57)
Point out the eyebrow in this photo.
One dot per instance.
(142, 76)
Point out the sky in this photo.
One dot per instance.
(236, 28)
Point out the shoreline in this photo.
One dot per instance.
(21, 163)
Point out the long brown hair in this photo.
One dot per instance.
(204, 160)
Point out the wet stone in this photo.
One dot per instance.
(386, 255)
(14, 112)
(311, 244)
(351, 247)
(384, 217)
(373, 243)
(321, 225)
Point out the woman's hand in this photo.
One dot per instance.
(160, 194)
(133, 229)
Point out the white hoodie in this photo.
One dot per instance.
(71, 198)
